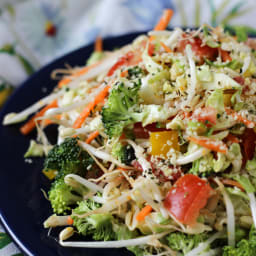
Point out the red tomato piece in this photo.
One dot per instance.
(200, 51)
(143, 132)
(206, 115)
(225, 56)
(185, 199)
(239, 79)
(248, 144)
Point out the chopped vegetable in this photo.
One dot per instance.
(31, 124)
(187, 197)
(92, 136)
(87, 110)
(143, 213)
(211, 144)
(162, 142)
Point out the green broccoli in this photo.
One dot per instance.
(122, 108)
(62, 196)
(184, 243)
(99, 226)
(203, 166)
(124, 153)
(246, 247)
(68, 157)
(123, 233)
(135, 72)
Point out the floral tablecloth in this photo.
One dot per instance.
(32, 33)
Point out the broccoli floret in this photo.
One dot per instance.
(246, 247)
(124, 153)
(122, 108)
(135, 72)
(184, 243)
(123, 233)
(62, 196)
(99, 226)
(68, 157)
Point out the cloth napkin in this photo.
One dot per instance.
(32, 33)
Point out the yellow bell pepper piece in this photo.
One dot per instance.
(50, 174)
(162, 142)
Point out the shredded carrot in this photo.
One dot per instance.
(31, 124)
(47, 122)
(232, 183)
(124, 73)
(144, 212)
(98, 44)
(214, 145)
(70, 221)
(122, 169)
(92, 136)
(163, 22)
(166, 48)
(82, 71)
(232, 138)
(238, 117)
(87, 110)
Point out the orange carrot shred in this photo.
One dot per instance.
(144, 212)
(166, 48)
(31, 123)
(92, 136)
(164, 20)
(238, 117)
(122, 169)
(70, 221)
(211, 144)
(47, 122)
(87, 110)
(98, 44)
(232, 183)
(124, 73)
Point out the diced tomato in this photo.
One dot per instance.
(225, 56)
(206, 115)
(200, 51)
(129, 59)
(143, 132)
(239, 79)
(185, 199)
(248, 144)
(232, 138)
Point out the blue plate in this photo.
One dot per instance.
(23, 207)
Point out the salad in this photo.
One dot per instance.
(156, 145)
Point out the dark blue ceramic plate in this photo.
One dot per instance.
(23, 207)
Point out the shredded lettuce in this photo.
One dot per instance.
(216, 100)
